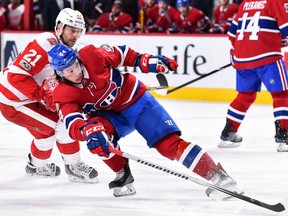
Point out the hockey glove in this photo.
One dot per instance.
(97, 139)
(157, 64)
(48, 101)
(46, 93)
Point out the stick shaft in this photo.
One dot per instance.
(198, 78)
(279, 207)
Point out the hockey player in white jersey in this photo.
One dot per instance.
(26, 100)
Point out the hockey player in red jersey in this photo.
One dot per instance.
(115, 104)
(26, 100)
(256, 34)
(223, 16)
(162, 18)
(114, 21)
(193, 20)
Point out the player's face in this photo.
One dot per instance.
(223, 2)
(70, 35)
(116, 10)
(183, 11)
(150, 2)
(162, 6)
(73, 73)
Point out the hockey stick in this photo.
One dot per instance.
(279, 207)
(194, 80)
(163, 83)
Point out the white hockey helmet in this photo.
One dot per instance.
(73, 18)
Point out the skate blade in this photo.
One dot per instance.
(228, 144)
(282, 147)
(127, 190)
(80, 180)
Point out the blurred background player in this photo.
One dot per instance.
(114, 21)
(162, 18)
(223, 16)
(26, 100)
(256, 34)
(15, 14)
(193, 20)
(144, 7)
(92, 10)
(115, 104)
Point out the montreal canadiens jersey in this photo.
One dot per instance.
(223, 16)
(20, 82)
(103, 87)
(256, 32)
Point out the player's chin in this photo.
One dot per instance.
(78, 80)
(72, 43)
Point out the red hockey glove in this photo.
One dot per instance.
(97, 139)
(158, 63)
(46, 92)
(48, 101)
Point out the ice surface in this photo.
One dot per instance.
(259, 170)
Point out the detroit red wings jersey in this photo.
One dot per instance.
(257, 31)
(20, 82)
(223, 16)
(103, 87)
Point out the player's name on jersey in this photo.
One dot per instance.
(254, 5)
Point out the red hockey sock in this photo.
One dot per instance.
(280, 105)
(190, 155)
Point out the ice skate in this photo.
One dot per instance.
(122, 185)
(281, 137)
(82, 173)
(223, 180)
(50, 170)
(229, 139)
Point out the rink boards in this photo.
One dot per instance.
(196, 55)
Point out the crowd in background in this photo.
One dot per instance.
(125, 16)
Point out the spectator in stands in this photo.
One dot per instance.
(50, 12)
(93, 9)
(114, 21)
(163, 18)
(144, 7)
(193, 20)
(223, 16)
(2, 18)
(15, 14)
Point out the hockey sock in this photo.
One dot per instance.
(116, 163)
(238, 108)
(195, 159)
(70, 152)
(190, 155)
(280, 105)
(41, 151)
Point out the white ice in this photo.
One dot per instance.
(259, 170)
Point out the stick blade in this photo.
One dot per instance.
(163, 82)
(162, 79)
(162, 92)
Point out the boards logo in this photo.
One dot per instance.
(10, 52)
